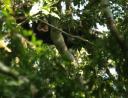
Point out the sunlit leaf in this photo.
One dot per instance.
(55, 15)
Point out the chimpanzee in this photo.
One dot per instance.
(42, 31)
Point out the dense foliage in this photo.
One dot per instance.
(30, 68)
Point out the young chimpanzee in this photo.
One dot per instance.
(42, 31)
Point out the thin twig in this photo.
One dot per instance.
(29, 17)
(73, 36)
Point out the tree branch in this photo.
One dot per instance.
(111, 25)
(70, 35)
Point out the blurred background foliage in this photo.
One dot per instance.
(33, 69)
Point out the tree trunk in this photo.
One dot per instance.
(58, 40)
(111, 25)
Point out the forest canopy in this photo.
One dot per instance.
(63, 49)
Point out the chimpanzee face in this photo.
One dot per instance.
(42, 27)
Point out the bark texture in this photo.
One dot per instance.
(59, 42)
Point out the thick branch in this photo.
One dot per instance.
(58, 40)
(111, 25)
